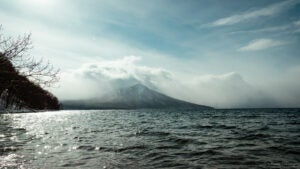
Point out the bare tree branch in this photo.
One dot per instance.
(15, 51)
(23, 76)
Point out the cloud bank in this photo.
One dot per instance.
(228, 90)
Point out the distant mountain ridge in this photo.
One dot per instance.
(133, 97)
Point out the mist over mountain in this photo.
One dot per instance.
(229, 90)
(133, 97)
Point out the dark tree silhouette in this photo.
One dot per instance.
(22, 76)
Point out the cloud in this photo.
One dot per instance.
(67, 47)
(285, 88)
(290, 28)
(267, 11)
(260, 44)
(279, 29)
(228, 90)
(296, 24)
(98, 78)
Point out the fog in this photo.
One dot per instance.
(228, 90)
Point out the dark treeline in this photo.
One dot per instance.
(18, 92)
(22, 77)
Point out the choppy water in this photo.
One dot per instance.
(258, 138)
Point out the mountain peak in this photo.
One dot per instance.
(139, 86)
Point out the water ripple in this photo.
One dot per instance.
(254, 138)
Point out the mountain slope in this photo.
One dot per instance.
(134, 97)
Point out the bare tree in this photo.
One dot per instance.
(22, 76)
(14, 50)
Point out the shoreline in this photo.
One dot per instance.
(40, 111)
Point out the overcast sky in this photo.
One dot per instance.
(222, 53)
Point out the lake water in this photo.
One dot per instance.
(254, 138)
